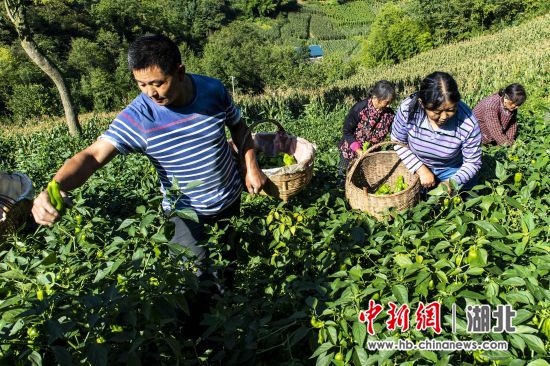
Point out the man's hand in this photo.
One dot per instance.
(255, 179)
(73, 174)
(427, 178)
(43, 211)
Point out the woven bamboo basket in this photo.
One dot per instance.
(370, 171)
(287, 181)
(16, 193)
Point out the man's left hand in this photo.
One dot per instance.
(255, 179)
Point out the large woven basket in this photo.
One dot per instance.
(288, 181)
(370, 171)
(16, 193)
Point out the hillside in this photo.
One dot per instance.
(481, 66)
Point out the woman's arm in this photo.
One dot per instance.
(488, 115)
(512, 131)
(400, 133)
(351, 122)
(471, 155)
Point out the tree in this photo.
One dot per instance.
(237, 50)
(15, 10)
(261, 8)
(394, 37)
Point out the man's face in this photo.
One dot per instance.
(163, 89)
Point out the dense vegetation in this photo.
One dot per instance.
(103, 285)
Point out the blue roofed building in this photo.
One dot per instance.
(315, 52)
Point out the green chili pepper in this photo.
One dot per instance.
(517, 179)
(55, 196)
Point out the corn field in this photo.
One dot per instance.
(480, 66)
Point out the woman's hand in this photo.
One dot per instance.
(447, 184)
(427, 178)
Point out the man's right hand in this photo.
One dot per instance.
(43, 211)
(73, 174)
(427, 178)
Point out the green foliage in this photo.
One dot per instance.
(104, 286)
(337, 67)
(240, 50)
(349, 12)
(237, 50)
(394, 37)
(87, 55)
(339, 47)
(261, 8)
(320, 27)
(458, 19)
(500, 59)
(297, 26)
(32, 100)
(102, 89)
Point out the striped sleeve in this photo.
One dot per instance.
(399, 133)
(471, 153)
(232, 113)
(125, 133)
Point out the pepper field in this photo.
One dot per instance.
(103, 286)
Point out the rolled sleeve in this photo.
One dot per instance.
(125, 134)
(471, 154)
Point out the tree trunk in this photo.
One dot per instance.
(15, 10)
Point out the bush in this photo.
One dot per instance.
(32, 100)
(106, 92)
(394, 37)
(237, 50)
(86, 55)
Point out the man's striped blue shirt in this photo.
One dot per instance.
(186, 143)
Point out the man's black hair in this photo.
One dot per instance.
(154, 50)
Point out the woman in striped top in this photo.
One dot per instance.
(497, 115)
(368, 121)
(442, 134)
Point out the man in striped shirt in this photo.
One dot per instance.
(178, 122)
(442, 134)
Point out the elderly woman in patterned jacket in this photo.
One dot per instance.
(497, 115)
(368, 121)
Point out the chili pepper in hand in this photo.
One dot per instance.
(55, 196)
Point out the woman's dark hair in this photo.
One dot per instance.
(435, 89)
(382, 90)
(154, 50)
(515, 93)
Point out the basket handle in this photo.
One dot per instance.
(248, 134)
(369, 150)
